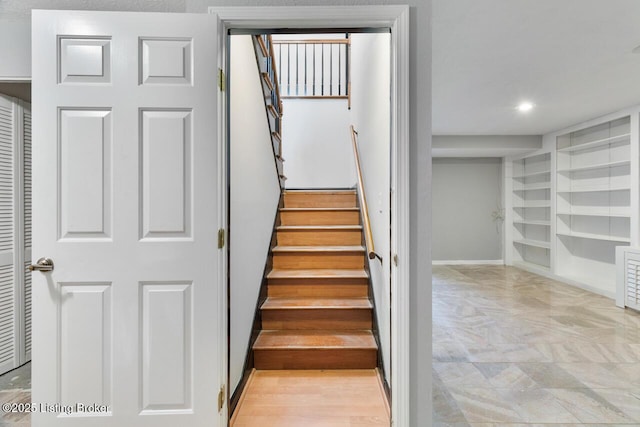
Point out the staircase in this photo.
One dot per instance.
(317, 314)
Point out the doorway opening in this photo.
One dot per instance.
(326, 81)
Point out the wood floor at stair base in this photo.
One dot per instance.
(319, 398)
(282, 288)
(329, 260)
(338, 319)
(316, 359)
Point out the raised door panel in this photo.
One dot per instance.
(85, 173)
(166, 173)
(85, 321)
(167, 337)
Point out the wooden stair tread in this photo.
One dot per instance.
(318, 274)
(323, 192)
(318, 249)
(318, 227)
(272, 303)
(319, 209)
(311, 339)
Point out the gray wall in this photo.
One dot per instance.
(17, 90)
(465, 193)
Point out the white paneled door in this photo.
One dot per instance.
(125, 203)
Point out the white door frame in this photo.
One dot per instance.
(397, 19)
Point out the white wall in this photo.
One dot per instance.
(15, 48)
(255, 193)
(465, 194)
(316, 144)
(370, 84)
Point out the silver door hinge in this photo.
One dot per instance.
(221, 238)
(221, 398)
(221, 79)
(395, 260)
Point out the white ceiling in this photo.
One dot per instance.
(572, 58)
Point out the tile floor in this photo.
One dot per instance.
(15, 387)
(511, 348)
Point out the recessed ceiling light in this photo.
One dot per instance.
(525, 107)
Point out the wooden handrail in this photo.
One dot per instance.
(368, 235)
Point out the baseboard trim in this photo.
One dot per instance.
(565, 280)
(469, 262)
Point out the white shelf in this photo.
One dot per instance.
(534, 204)
(596, 189)
(532, 174)
(535, 243)
(532, 222)
(598, 166)
(532, 187)
(607, 213)
(593, 236)
(595, 144)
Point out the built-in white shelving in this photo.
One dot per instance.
(531, 203)
(593, 201)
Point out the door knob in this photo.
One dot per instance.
(43, 264)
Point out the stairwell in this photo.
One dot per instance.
(313, 356)
(317, 314)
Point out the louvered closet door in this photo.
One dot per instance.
(632, 297)
(8, 359)
(26, 214)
